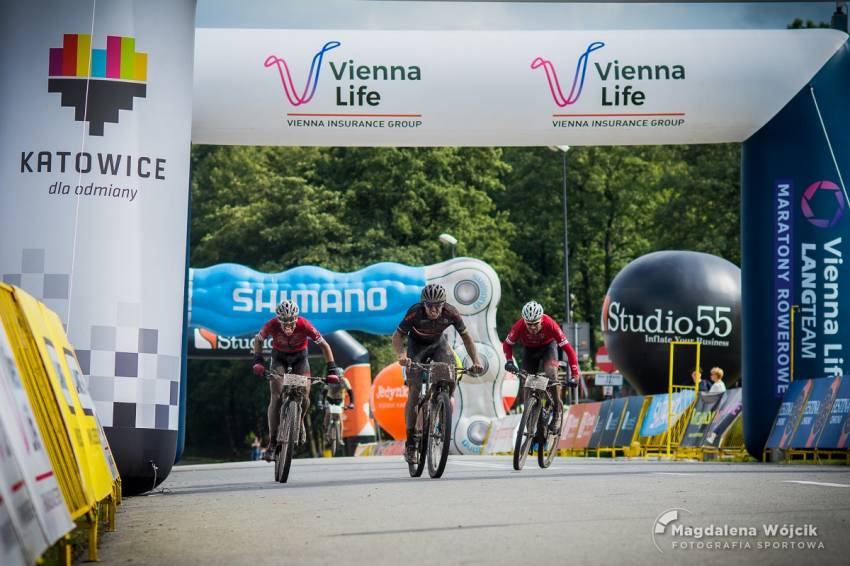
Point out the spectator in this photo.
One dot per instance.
(702, 384)
(255, 449)
(717, 381)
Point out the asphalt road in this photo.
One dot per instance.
(580, 511)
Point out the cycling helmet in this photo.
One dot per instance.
(434, 293)
(532, 311)
(287, 311)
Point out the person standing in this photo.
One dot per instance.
(717, 385)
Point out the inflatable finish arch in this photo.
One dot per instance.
(99, 103)
(234, 299)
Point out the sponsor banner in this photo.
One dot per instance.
(836, 429)
(502, 436)
(629, 422)
(94, 165)
(28, 448)
(701, 418)
(388, 397)
(655, 420)
(783, 282)
(817, 407)
(11, 553)
(789, 414)
(344, 87)
(612, 422)
(587, 423)
(599, 426)
(572, 418)
(15, 492)
(234, 299)
(726, 413)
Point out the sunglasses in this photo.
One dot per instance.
(288, 323)
(430, 305)
(538, 323)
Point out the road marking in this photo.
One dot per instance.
(480, 465)
(671, 474)
(823, 483)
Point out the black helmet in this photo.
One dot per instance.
(434, 293)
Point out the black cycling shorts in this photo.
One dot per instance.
(535, 360)
(296, 360)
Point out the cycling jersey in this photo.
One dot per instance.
(336, 391)
(418, 326)
(295, 342)
(549, 332)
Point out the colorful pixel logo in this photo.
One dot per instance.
(578, 76)
(97, 83)
(312, 82)
(823, 204)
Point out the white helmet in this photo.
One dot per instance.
(532, 311)
(287, 311)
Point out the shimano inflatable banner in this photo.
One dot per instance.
(234, 299)
(94, 179)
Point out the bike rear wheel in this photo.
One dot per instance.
(290, 430)
(439, 435)
(549, 442)
(526, 432)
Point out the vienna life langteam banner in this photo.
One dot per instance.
(343, 87)
(94, 178)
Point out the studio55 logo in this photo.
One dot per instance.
(97, 83)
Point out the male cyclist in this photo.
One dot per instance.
(423, 325)
(540, 337)
(289, 334)
(334, 394)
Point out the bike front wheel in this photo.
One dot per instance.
(420, 440)
(335, 436)
(526, 432)
(289, 431)
(549, 443)
(439, 435)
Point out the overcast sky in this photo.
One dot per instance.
(391, 15)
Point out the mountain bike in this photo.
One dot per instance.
(536, 417)
(432, 433)
(295, 388)
(333, 430)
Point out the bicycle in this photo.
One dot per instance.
(432, 431)
(536, 417)
(333, 430)
(295, 387)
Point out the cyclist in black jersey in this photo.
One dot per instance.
(423, 325)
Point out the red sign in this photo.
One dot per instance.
(602, 361)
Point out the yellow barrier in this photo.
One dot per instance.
(47, 412)
(76, 444)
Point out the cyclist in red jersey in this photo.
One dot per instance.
(289, 334)
(540, 337)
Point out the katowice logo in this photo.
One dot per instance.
(97, 83)
(578, 77)
(312, 82)
(823, 204)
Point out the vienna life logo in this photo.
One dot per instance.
(97, 83)
(306, 94)
(578, 76)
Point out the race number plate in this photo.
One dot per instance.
(536, 382)
(335, 409)
(295, 380)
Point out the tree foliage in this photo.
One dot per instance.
(346, 208)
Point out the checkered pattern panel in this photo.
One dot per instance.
(131, 382)
(36, 279)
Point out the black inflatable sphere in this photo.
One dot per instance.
(673, 296)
